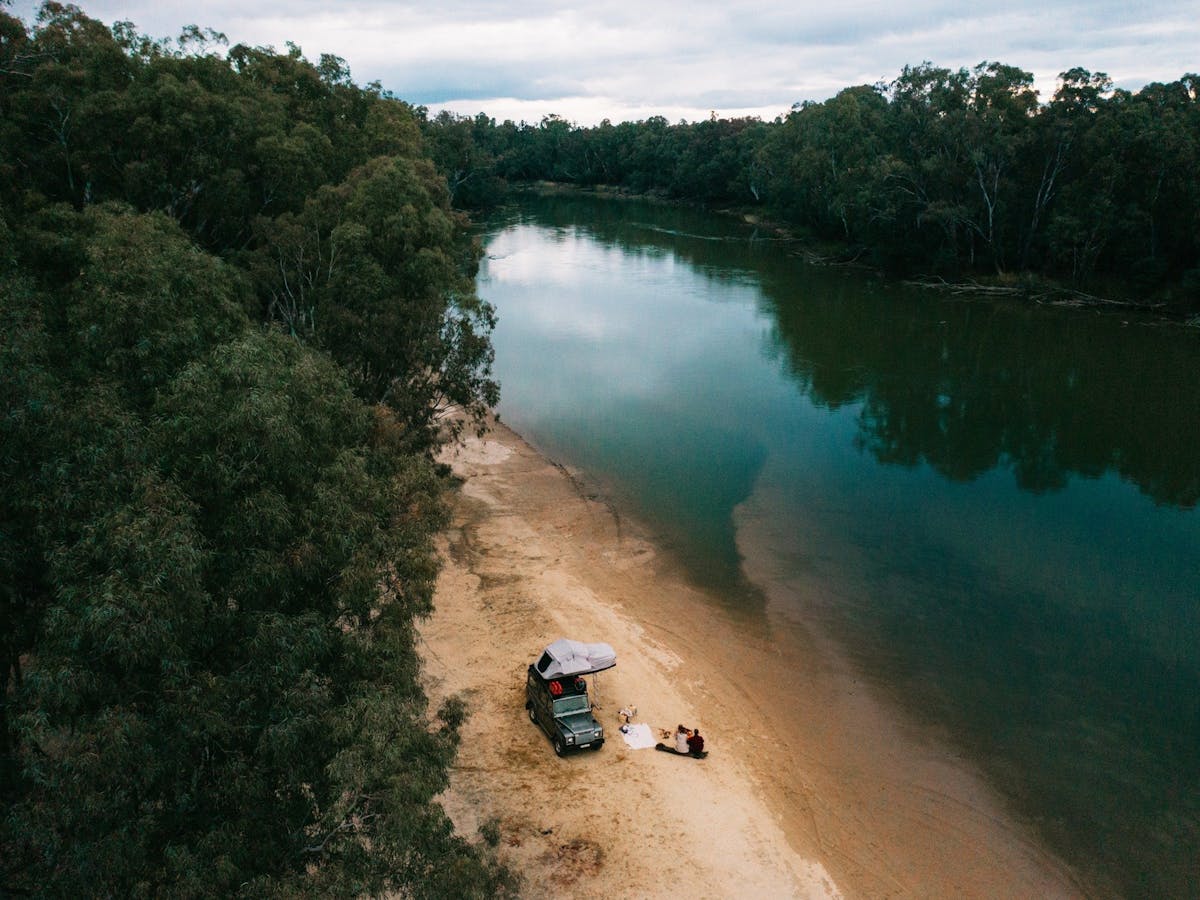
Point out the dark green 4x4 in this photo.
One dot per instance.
(560, 706)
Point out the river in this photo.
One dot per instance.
(990, 506)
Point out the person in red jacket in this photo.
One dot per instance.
(695, 743)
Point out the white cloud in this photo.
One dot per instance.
(623, 60)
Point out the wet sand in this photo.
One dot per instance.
(813, 787)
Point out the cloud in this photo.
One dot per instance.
(616, 59)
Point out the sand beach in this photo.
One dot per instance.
(813, 786)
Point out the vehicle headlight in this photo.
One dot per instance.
(570, 738)
(600, 732)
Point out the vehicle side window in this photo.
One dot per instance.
(543, 663)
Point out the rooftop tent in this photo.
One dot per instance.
(565, 657)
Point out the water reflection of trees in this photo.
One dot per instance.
(962, 386)
(967, 387)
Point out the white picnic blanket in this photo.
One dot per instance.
(639, 736)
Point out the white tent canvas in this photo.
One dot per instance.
(565, 657)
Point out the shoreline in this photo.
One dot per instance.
(1038, 289)
(828, 794)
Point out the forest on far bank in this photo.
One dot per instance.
(951, 173)
(236, 309)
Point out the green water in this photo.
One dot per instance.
(995, 502)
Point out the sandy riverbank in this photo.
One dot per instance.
(812, 788)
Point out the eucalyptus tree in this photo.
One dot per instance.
(995, 129)
(1079, 118)
(821, 159)
(375, 271)
(460, 147)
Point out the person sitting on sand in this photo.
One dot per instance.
(681, 739)
(695, 743)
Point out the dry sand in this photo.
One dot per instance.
(812, 787)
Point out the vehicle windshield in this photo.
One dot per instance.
(574, 703)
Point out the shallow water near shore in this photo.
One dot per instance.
(991, 507)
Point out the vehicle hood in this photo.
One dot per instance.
(580, 723)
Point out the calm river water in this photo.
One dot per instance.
(992, 507)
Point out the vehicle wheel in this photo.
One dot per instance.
(532, 717)
(560, 748)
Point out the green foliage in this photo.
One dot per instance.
(490, 832)
(146, 301)
(461, 147)
(214, 539)
(269, 161)
(941, 171)
(372, 271)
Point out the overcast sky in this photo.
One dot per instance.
(682, 58)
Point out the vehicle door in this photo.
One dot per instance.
(543, 705)
(547, 712)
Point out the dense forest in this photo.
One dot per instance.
(236, 307)
(952, 173)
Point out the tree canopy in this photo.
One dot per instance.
(235, 306)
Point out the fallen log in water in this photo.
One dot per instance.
(1044, 294)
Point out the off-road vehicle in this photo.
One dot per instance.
(562, 708)
(556, 694)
